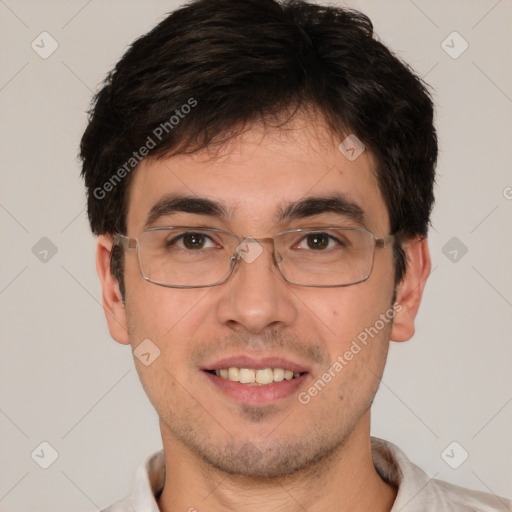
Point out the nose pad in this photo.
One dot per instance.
(242, 306)
(249, 250)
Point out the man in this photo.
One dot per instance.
(260, 175)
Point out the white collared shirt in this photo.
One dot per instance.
(416, 491)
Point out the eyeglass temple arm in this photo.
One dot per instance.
(385, 241)
(124, 241)
(131, 243)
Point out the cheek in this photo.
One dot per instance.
(355, 324)
(154, 311)
(164, 314)
(163, 322)
(341, 314)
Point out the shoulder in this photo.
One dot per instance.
(149, 482)
(455, 498)
(124, 505)
(417, 492)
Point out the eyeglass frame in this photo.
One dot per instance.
(127, 242)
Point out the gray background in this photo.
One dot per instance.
(64, 381)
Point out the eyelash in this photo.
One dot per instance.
(175, 241)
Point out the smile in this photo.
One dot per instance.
(258, 380)
(256, 377)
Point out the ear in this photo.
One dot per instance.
(113, 304)
(410, 290)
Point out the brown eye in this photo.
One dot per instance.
(193, 240)
(317, 241)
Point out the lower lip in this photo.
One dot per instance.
(257, 394)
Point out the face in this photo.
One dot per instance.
(256, 320)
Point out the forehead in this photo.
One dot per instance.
(259, 174)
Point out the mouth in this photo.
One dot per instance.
(255, 377)
(256, 381)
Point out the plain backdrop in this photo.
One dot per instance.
(63, 380)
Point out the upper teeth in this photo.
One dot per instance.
(250, 376)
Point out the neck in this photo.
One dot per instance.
(346, 481)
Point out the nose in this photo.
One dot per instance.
(256, 297)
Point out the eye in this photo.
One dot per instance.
(317, 242)
(192, 241)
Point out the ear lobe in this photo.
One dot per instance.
(112, 299)
(410, 290)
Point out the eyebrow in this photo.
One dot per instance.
(170, 204)
(307, 207)
(311, 206)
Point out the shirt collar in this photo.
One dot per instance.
(390, 462)
(149, 483)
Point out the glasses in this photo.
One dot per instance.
(190, 257)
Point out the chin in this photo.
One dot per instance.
(269, 460)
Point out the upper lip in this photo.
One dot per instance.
(255, 363)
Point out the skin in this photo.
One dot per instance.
(222, 454)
